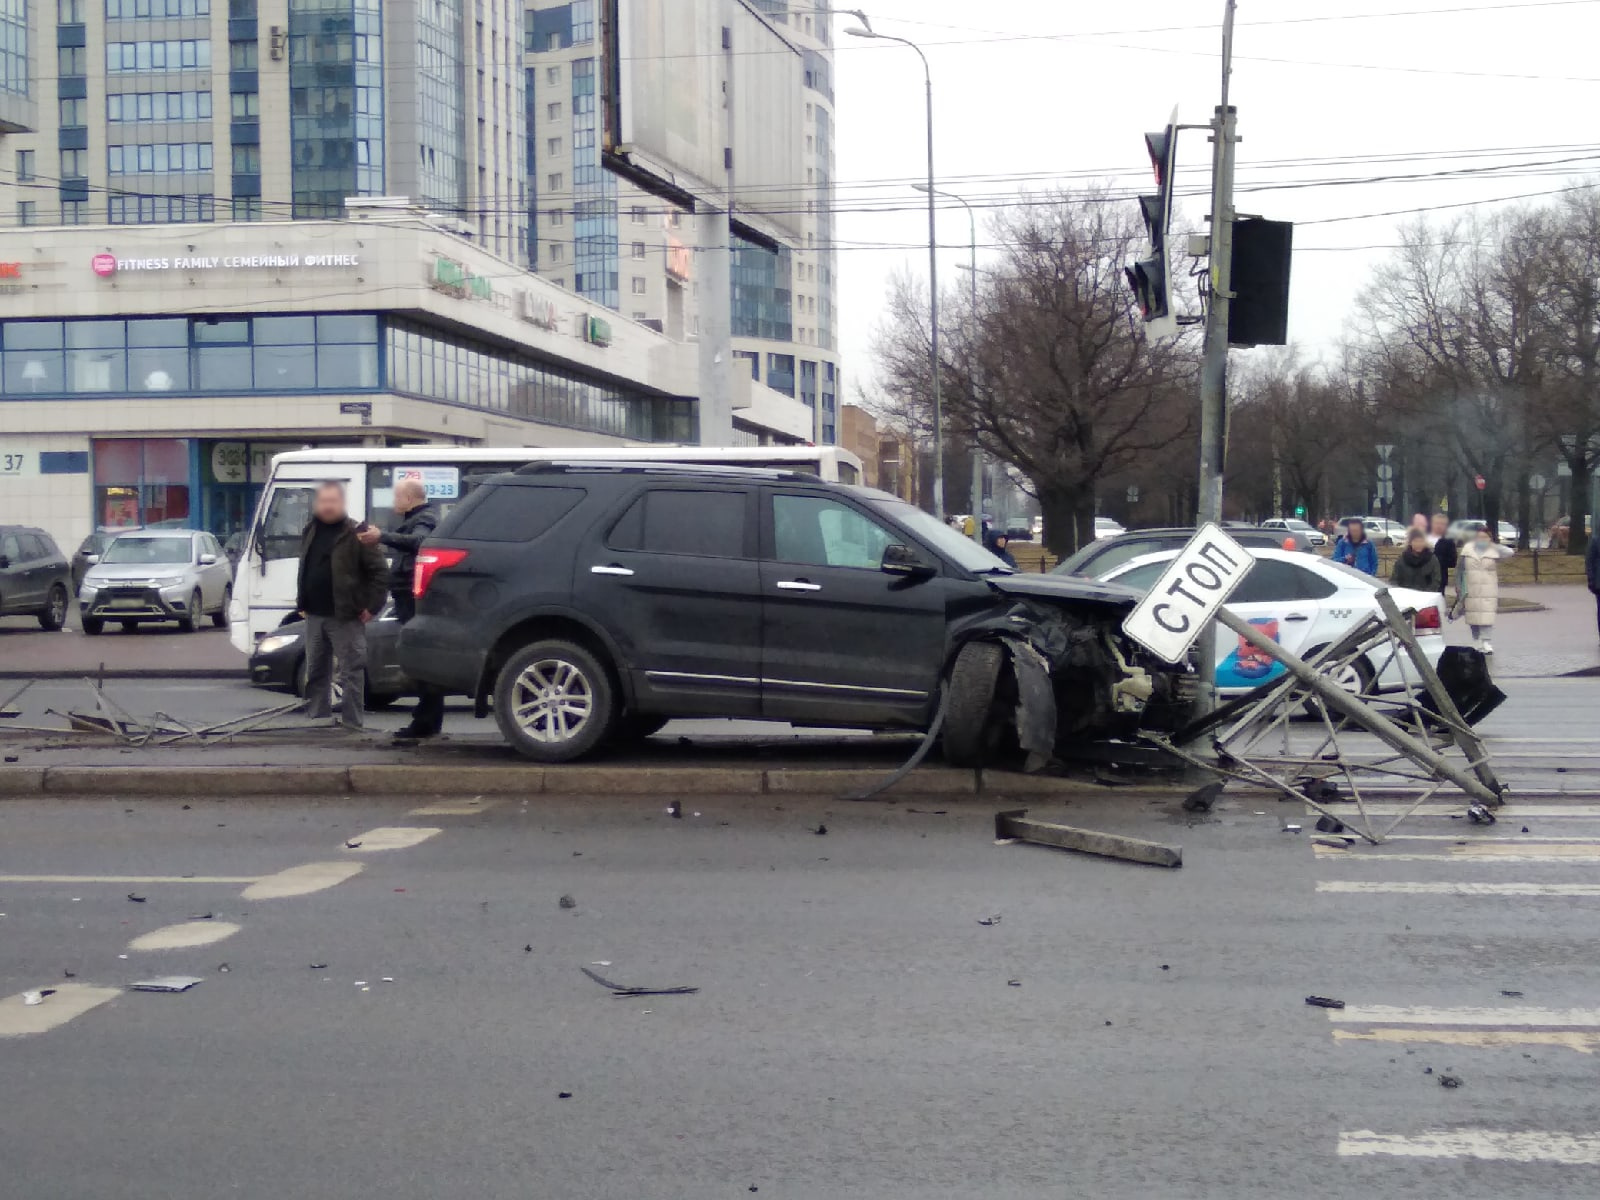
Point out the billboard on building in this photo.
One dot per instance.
(666, 67)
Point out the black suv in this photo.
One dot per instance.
(35, 579)
(594, 602)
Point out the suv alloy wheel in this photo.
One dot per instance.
(554, 701)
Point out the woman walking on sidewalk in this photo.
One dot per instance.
(1478, 587)
(1418, 566)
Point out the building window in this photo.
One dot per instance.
(129, 209)
(247, 160)
(245, 105)
(167, 158)
(638, 251)
(185, 55)
(69, 12)
(24, 166)
(552, 111)
(555, 182)
(73, 113)
(247, 208)
(74, 212)
(557, 252)
(641, 316)
(552, 74)
(158, 106)
(552, 41)
(637, 214)
(73, 60)
(639, 285)
(74, 164)
(132, 10)
(556, 217)
(27, 212)
(552, 146)
(244, 56)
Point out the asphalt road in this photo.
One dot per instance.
(856, 1033)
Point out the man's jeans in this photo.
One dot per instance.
(329, 639)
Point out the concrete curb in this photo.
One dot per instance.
(228, 674)
(381, 780)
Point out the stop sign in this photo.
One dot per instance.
(1480, 481)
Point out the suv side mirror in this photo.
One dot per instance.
(208, 560)
(91, 559)
(905, 562)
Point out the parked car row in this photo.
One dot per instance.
(35, 578)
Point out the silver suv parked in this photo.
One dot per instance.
(157, 575)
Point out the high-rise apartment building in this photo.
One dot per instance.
(628, 242)
(212, 110)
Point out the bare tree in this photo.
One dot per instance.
(1052, 374)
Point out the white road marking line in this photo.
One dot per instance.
(453, 808)
(1583, 1043)
(1388, 1014)
(301, 880)
(1353, 886)
(1566, 1149)
(1474, 839)
(390, 837)
(71, 1000)
(1481, 858)
(119, 879)
(1511, 812)
(184, 936)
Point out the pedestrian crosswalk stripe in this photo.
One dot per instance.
(301, 880)
(454, 808)
(1511, 812)
(390, 837)
(128, 879)
(1568, 1039)
(1506, 855)
(184, 936)
(1567, 1149)
(19, 1019)
(1430, 888)
(1477, 839)
(1390, 1014)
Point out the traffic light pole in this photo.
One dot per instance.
(1214, 368)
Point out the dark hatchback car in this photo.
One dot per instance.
(279, 659)
(1099, 558)
(592, 603)
(35, 579)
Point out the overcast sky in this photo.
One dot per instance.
(1025, 95)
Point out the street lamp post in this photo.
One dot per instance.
(866, 31)
(977, 448)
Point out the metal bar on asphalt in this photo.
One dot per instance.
(1016, 824)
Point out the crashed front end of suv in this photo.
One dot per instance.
(1049, 673)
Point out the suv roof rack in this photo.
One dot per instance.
(557, 465)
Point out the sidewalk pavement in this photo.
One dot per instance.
(27, 652)
(1558, 639)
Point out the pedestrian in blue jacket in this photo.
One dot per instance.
(1354, 550)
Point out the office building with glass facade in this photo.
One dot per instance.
(149, 375)
(598, 234)
(162, 111)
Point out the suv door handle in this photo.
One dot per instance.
(613, 569)
(798, 585)
(1297, 617)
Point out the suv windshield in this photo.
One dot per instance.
(149, 550)
(965, 552)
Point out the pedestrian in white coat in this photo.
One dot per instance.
(1478, 586)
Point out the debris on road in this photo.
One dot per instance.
(1450, 1081)
(223, 968)
(568, 902)
(1013, 983)
(1291, 829)
(675, 810)
(1329, 825)
(620, 989)
(349, 845)
(563, 1095)
(1511, 993)
(1324, 1002)
(319, 966)
(205, 916)
(1202, 798)
(137, 899)
(1015, 824)
(1332, 843)
(30, 999)
(167, 983)
(820, 830)
(1479, 814)
(989, 920)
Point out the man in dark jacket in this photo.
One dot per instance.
(417, 520)
(1355, 549)
(1417, 567)
(341, 588)
(1444, 549)
(1591, 569)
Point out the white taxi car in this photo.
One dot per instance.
(1305, 603)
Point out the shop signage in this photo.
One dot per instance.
(536, 310)
(440, 483)
(10, 270)
(456, 279)
(106, 265)
(230, 462)
(357, 408)
(594, 330)
(680, 262)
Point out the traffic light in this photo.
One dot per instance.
(1148, 277)
(1262, 252)
(1300, 511)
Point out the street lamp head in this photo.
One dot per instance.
(866, 33)
(866, 22)
(921, 187)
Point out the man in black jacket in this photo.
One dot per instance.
(1591, 569)
(341, 588)
(417, 520)
(1444, 549)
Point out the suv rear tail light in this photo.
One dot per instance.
(1427, 618)
(429, 563)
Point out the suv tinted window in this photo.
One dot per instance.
(676, 521)
(9, 547)
(515, 514)
(33, 547)
(824, 533)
